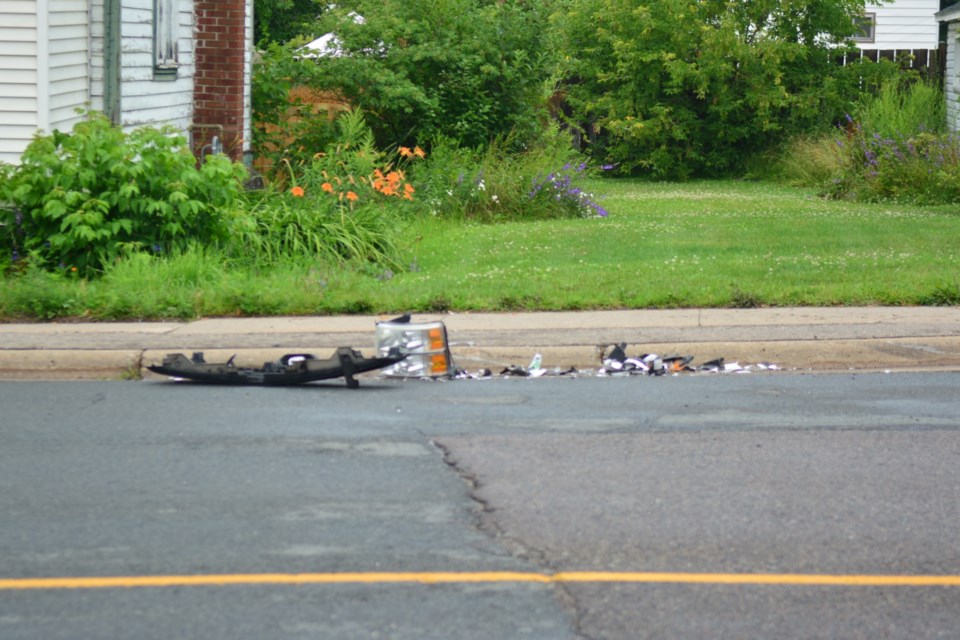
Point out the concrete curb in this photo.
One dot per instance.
(903, 354)
(101, 364)
(799, 339)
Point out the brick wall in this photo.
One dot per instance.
(218, 101)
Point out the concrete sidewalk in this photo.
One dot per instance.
(805, 339)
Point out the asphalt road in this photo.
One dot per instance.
(728, 506)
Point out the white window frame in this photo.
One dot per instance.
(165, 41)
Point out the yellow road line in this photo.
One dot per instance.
(786, 579)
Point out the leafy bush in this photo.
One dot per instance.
(79, 199)
(468, 70)
(684, 87)
(286, 127)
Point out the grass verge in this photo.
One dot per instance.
(697, 244)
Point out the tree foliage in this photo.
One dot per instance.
(284, 20)
(470, 70)
(694, 86)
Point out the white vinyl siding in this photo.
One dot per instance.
(44, 72)
(68, 62)
(19, 73)
(904, 24)
(53, 62)
(951, 75)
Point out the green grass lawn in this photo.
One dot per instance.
(690, 245)
(698, 244)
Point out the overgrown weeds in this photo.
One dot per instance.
(543, 182)
(892, 148)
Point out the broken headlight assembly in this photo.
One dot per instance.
(424, 344)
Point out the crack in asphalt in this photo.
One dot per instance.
(487, 524)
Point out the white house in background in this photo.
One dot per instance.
(186, 63)
(951, 75)
(900, 24)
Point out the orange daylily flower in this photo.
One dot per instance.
(326, 186)
(351, 196)
(420, 153)
(405, 152)
(408, 188)
(297, 192)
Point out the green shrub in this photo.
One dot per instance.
(286, 129)
(677, 88)
(79, 199)
(469, 70)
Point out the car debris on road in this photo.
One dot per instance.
(292, 368)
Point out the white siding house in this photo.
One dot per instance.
(900, 25)
(134, 60)
(44, 75)
(951, 74)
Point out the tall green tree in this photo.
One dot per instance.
(467, 70)
(693, 86)
(284, 20)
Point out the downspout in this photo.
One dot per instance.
(111, 60)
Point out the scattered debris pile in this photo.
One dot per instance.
(615, 361)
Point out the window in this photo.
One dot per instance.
(866, 28)
(165, 27)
